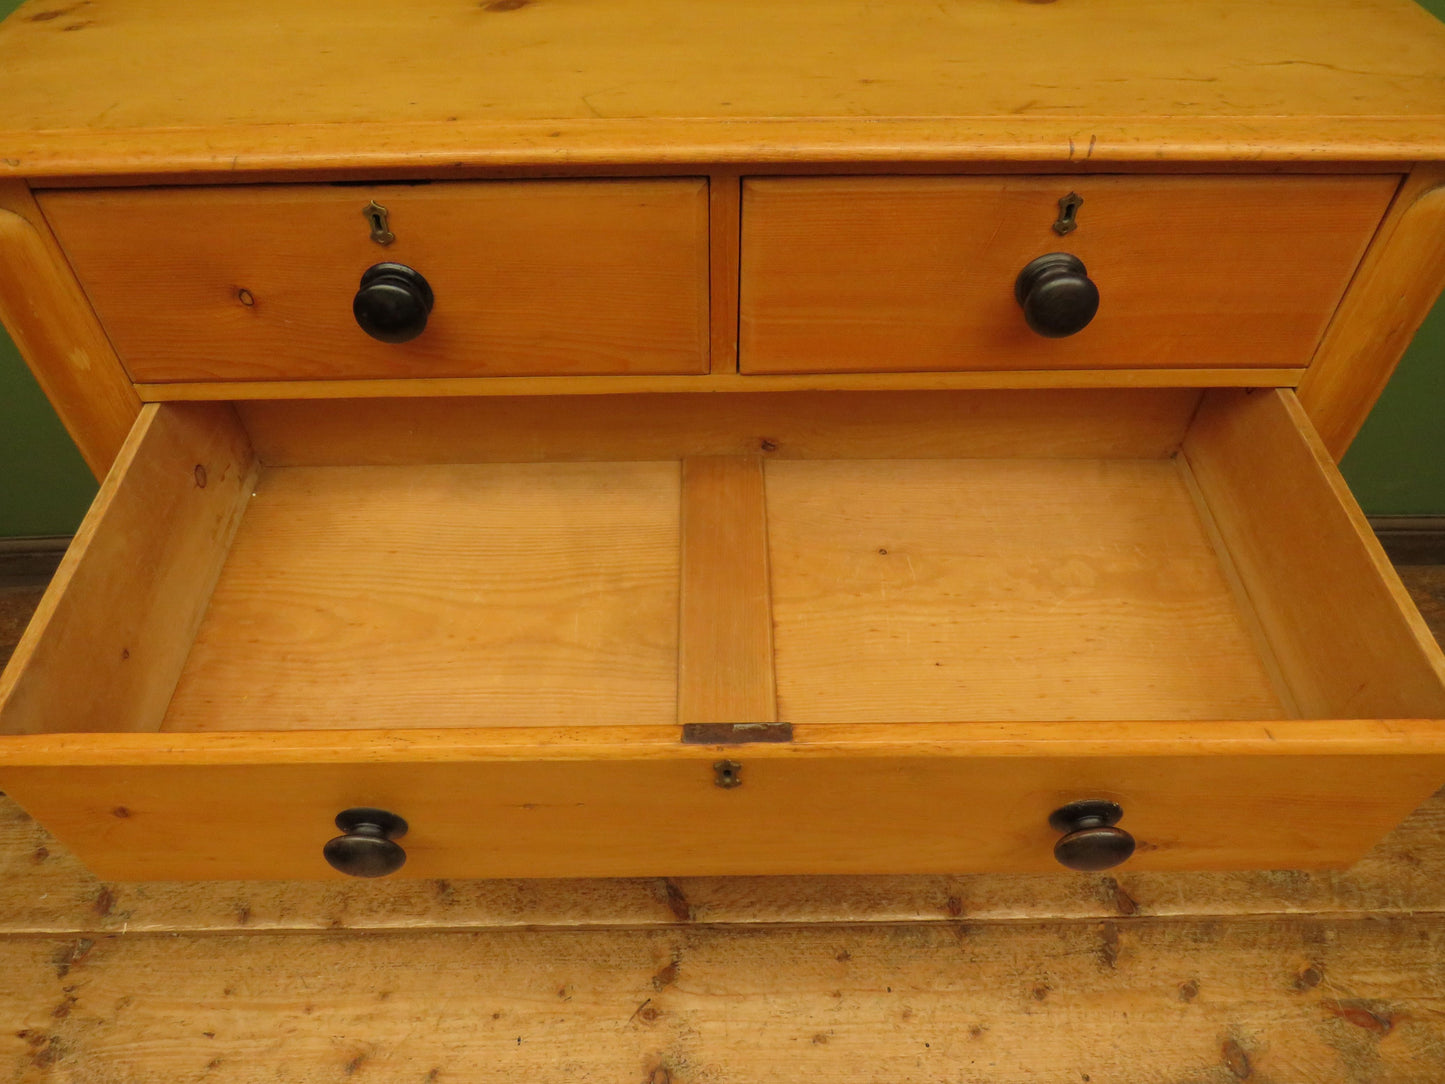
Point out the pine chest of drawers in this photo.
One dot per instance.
(628, 438)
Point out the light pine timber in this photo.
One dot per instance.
(1112, 1001)
(632, 801)
(461, 85)
(45, 890)
(530, 277)
(443, 595)
(1242, 601)
(55, 330)
(107, 643)
(1002, 589)
(1348, 640)
(1112, 423)
(882, 273)
(725, 635)
(503, 386)
(724, 193)
(1393, 292)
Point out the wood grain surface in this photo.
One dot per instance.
(445, 595)
(1343, 630)
(882, 273)
(1112, 1001)
(1004, 589)
(725, 635)
(1145, 423)
(540, 278)
(505, 386)
(1395, 288)
(115, 627)
(439, 85)
(53, 326)
(601, 801)
(1264, 976)
(1023, 628)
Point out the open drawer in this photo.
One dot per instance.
(723, 634)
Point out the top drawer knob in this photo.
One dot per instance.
(393, 303)
(1057, 295)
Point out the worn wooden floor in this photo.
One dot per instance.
(1127, 979)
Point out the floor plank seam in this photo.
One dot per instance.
(1135, 921)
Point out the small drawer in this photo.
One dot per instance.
(875, 274)
(259, 283)
(722, 634)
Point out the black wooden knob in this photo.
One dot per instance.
(1090, 840)
(368, 849)
(393, 303)
(1057, 295)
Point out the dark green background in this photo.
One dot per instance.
(1397, 466)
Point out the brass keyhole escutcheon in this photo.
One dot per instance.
(1068, 220)
(378, 219)
(727, 774)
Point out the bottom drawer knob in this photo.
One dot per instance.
(1090, 841)
(369, 847)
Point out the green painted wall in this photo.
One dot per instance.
(1397, 466)
(44, 484)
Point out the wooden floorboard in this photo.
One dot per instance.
(1146, 1000)
(1268, 977)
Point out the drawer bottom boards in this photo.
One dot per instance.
(723, 634)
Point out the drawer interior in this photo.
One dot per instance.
(812, 558)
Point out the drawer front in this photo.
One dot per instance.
(1225, 799)
(871, 274)
(527, 277)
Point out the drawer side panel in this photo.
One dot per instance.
(107, 644)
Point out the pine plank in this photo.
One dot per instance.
(1397, 284)
(858, 424)
(443, 387)
(724, 192)
(859, 274)
(47, 315)
(530, 277)
(1098, 1002)
(1003, 589)
(1345, 634)
(725, 638)
(1426, 584)
(512, 81)
(443, 595)
(45, 891)
(112, 632)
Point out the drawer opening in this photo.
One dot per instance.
(807, 558)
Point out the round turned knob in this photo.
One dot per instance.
(1090, 841)
(368, 848)
(393, 303)
(1057, 295)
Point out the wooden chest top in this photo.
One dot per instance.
(236, 87)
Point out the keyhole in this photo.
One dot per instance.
(728, 774)
(1068, 213)
(377, 218)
